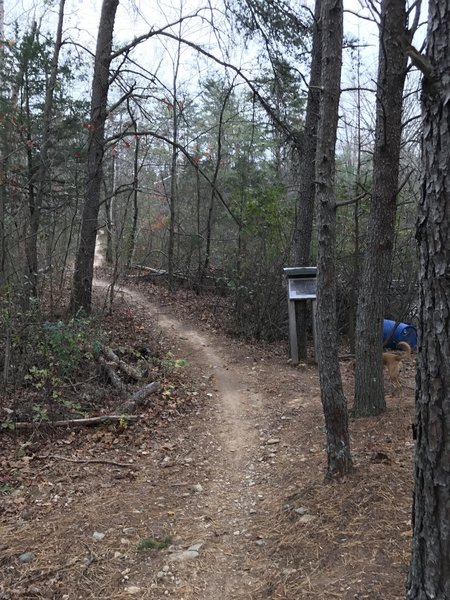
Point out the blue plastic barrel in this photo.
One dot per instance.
(403, 333)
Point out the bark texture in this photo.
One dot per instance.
(307, 174)
(307, 162)
(40, 184)
(376, 271)
(429, 576)
(84, 265)
(333, 400)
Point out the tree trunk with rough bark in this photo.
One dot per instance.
(375, 276)
(40, 174)
(84, 265)
(429, 575)
(134, 223)
(333, 399)
(3, 167)
(307, 174)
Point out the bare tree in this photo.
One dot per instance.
(333, 399)
(84, 265)
(429, 575)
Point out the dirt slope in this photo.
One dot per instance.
(231, 490)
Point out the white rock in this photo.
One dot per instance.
(133, 590)
(306, 518)
(185, 555)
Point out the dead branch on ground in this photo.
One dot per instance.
(121, 364)
(138, 399)
(90, 421)
(99, 461)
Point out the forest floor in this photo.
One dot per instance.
(217, 491)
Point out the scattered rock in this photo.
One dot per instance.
(191, 553)
(197, 488)
(184, 555)
(98, 536)
(197, 547)
(26, 557)
(306, 518)
(133, 590)
(301, 510)
(272, 441)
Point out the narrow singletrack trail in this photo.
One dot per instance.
(229, 517)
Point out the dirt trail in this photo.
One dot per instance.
(233, 430)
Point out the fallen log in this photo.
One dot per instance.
(150, 270)
(112, 375)
(139, 398)
(121, 364)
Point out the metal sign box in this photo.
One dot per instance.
(302, 283)
(302, 286)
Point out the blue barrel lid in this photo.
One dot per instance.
(404, 332)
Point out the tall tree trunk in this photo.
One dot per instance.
(40, 174)
(3, 171)
(134, 223)
(32, 225)
(333, 400)
(209, 220)
(429, 575)
(2, 20)
(3, 165)
(173, 201)
(376, 271)
(110, 198)
(84, 264)
(307, 174)
(172, 204)
(353, 296)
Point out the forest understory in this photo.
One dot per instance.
(216, 490)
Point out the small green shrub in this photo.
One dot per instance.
(170, 363)
(152, 544)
